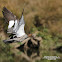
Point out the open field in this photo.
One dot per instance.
(42, 17)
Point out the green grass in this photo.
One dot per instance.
(49, 41)
(5, 54)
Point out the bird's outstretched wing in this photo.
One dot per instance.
(20, 32)
(8, 15)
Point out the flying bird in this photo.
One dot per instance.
(15, 25)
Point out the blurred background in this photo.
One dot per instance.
(42, 17)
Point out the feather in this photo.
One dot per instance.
(8, 15)
(18, 24)
(20, 31)
(11, 23)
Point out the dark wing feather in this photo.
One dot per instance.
(8, 15)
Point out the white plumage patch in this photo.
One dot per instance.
(20, 31)
(15, 26)
(11, 23)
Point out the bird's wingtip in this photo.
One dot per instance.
(23, 11)
(4, 8)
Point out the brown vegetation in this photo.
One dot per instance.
(44, 17)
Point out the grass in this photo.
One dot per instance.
(5, 53)
(49, 12)
(49, 41)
